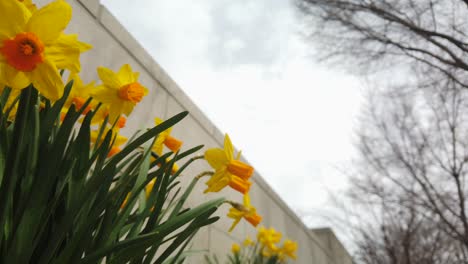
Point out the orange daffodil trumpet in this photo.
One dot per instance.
(228, 171)
(33, 47)
(120, 91)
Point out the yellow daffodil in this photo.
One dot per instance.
(246, 211)
(269, 238)
(79, 94)
(289, 249)
(235, 248)
(165, 138)
(120, 91)
(33, 47)
(118, 141)
(248, 242)
(228, 171)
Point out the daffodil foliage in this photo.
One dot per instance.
(66, 200)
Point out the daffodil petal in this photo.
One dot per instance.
(50, 21)
(83, 46)
(234, 224)
(127, 108)
(235, 214)
(110, 100)
(158, 149)
(218, 181)
(126, 75)
(218, 186)
(247, 200)
(13, 78)
(100, 115)
(29, 5)
(157, 121)
(158, 145)
(119, 140)
(228, 148)
(101, 94)
(47, 80)
(109, 78)
(115, 110)
(13, 18)
(65, 52)
(216, 158)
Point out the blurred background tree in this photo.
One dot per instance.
(409, 189)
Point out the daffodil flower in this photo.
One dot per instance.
(165, 138)
(120, 91)
(248, 242)
(269, 238)
(235, 248)
(246, 211)
(228, 171)
(289, 249)
(33, 47)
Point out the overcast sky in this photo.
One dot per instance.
(245, 65)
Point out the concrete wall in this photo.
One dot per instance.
(331, 243)
(114, 46)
